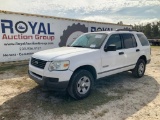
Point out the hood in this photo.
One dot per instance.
(50, 54)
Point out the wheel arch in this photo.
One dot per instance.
(143, 57)
(90, 68)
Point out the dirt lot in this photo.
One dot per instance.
(117, 97)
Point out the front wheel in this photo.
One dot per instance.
(139, 69)
(81, 84)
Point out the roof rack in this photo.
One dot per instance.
(126, 30)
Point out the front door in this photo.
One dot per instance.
(112, 61)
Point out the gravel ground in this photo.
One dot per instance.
(117, 97)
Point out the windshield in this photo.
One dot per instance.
(91, 40)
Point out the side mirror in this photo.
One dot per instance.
(110, 48)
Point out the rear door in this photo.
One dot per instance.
(130, 48)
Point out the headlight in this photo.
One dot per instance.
(58, 65)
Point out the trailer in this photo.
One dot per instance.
(154, 42)
(23, 34)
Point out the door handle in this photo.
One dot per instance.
(137, 50)
(121, 53)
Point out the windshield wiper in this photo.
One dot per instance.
(77, 46)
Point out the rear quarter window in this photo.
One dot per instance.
(143, 39)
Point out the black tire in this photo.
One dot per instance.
(139, 69)
(75, 86)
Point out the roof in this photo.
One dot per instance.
(45, 16)
(108, 32)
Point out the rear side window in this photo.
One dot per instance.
(129, 41)
(143, 40)
(116, 40)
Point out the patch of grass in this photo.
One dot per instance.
(123, 91)
(11, 115)
(1, 72)
(20, 83)
(50, 102)
(70, 106)
(101, 114)
(17, 70)
(155, 47)
(5, 68)
(20, 70)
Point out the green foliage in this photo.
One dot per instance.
(151, 30)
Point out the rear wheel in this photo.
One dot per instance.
(81, 84)
(139, 69)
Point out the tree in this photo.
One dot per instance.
(120, 23)
(150, 30)
(155, 30)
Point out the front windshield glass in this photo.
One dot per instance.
(91, 40)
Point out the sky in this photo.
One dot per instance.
(112, 11)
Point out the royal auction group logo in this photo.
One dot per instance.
(26, 30)
(21, 27)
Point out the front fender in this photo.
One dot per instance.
(76, 64)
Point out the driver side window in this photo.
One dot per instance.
(115, 40)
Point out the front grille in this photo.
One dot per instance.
(38, 63)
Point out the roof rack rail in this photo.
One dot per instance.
(126, 30)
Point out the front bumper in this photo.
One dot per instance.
(49, 83)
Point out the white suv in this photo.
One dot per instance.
(90, 57)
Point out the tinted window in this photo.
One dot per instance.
(129, 41)
(143, 40)
(134, 41)
(116, 40)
